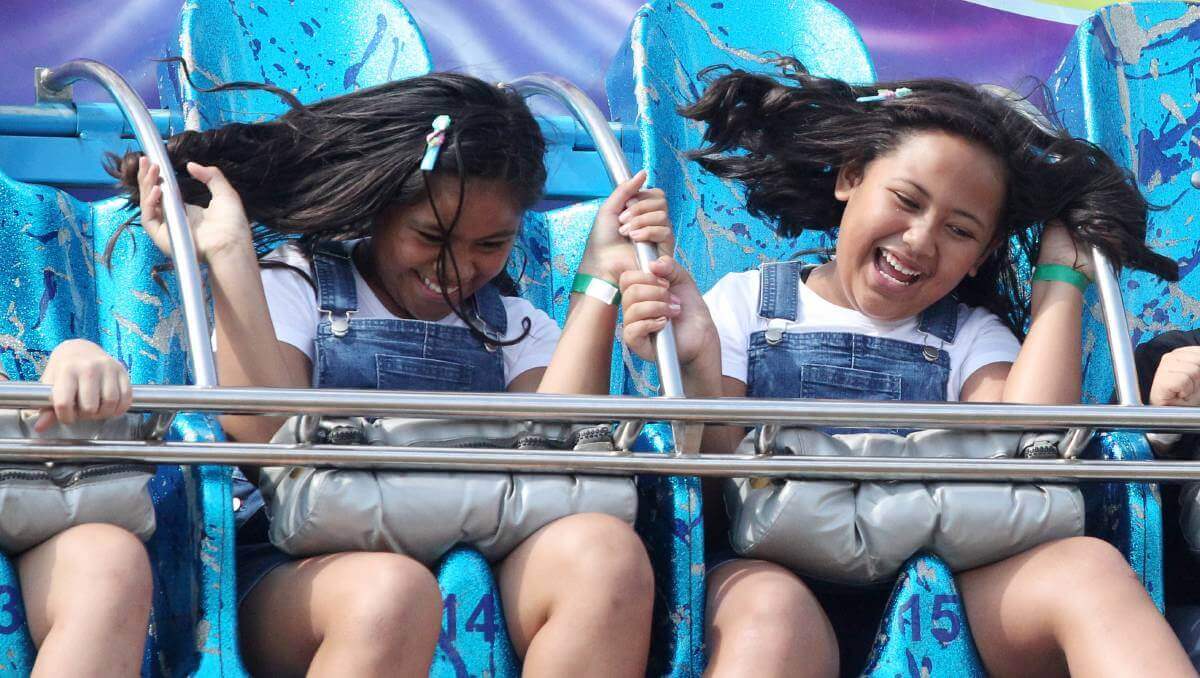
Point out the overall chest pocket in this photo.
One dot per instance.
(847, 383)
(407, 373)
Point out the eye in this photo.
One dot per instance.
(494, 245)
(431, 238)
(905, 201)
(961, 232)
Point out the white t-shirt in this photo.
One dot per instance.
(733, 302)
(295, 315)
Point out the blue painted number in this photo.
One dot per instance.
(487, 610)
(450, 607)
(943, 611)
(945, 636)
(11, 609)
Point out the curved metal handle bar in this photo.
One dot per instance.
(589, 116)
(1120, 345)
(538, 461)
(183, 250)
(1116, 324)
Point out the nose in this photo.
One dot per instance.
(464, 266)
(919, 237)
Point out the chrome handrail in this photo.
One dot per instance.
(592, 408)
(617, 166)
(1112, 304)
(529, 461)
(686, 440)
(183, 249)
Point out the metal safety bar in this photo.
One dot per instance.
(526, 461)
(1116, 326)
(593, 408)
(609, 148)
(183, 250)
(685, 439)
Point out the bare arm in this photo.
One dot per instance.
(249, 353)
(1047, 370)
(582, 360)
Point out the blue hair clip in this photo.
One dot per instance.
(434, 141)
(885, 94)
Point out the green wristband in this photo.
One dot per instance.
(1061, 273)
(597, 288)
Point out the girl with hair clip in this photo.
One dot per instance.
(933, 188)
(86, 591)
(407, 198)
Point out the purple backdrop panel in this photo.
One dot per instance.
(500, 39)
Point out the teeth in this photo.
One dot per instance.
(436, 288)
(899, 266)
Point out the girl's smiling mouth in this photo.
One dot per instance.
(894, 270)
(435, 288)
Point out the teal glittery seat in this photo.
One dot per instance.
(1127, 83)
(58, 285)
(924, 630)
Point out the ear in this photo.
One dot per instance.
(848, 178)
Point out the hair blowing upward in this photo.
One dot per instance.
(797, 136)
(329, 170)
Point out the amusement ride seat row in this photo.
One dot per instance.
(78, 271)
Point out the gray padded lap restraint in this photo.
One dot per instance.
(37, 501)
(861, 533)
(424, 514)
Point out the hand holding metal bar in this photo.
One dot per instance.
(589, 116)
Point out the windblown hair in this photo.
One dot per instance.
(786, 142)
(330, 170)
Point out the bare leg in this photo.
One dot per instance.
(577, 598)
(346, 614)
(764, 621)
(1068, 607)
(87, 594)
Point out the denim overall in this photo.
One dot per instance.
(375, 353)
(842, 365)
(837, 365)
(399, 354)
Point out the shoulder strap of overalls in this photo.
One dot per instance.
(333, 268)
(941, 319)
(490, 307)
(779, 285)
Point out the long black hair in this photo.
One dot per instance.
(786, 139)
(330, 170)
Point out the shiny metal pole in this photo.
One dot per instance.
(592, 408)
(526, 461)
(686, 439)
(1116, 325)
(183, 250)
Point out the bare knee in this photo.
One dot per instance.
(109, 562)
(92, 575)
(762, 613)
(1086, 571)
(603, 558)
(383, 594)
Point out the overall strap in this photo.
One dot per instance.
(337, 299)
(779, 288)
(489, 306)
(940, 320)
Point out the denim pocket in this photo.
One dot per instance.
(406, 373)
(847, 383)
